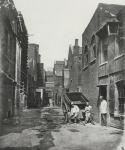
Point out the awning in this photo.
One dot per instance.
(101, 85)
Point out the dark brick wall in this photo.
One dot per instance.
(1, 74)
(89, 86)
(74, 65)
(8, 54)
(7, 67)
(89, 75)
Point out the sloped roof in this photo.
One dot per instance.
(15, 20)
(103, 13)
(113, 8)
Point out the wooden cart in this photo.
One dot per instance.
(76, 98)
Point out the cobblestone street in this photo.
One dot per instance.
(43, 130)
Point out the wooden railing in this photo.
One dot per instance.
(113, 66)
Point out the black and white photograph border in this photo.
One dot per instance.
(62, 75)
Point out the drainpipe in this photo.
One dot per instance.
(108, 97)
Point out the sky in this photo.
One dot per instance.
(55, 24)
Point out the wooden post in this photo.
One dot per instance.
(108, 113)
(116, 111)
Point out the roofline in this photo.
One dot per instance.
(33, 44)
(99, 5)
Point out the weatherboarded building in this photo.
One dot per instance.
(103, 66)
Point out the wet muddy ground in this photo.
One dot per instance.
(36, 122)
(45, 130)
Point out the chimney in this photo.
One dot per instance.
(76, 42)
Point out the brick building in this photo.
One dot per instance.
(40, 91)
(21, 61)
(49, 86)
(58, 81)
(13, 60)
(41, 77)
(103, 61)
(74, 65)
(35, 86)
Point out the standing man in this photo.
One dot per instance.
(103, 111)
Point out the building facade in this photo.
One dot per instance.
(13, 60)
(49, 87)
(103, 58)
(66, 77)
(35, 87)
(74, 66)
(58, 81)
(40, 91)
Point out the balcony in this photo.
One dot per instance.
(113, 66)
(103, 69)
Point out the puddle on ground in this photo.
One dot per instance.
(73, 130)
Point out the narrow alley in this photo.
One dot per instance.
(62, 75)
(45, 130)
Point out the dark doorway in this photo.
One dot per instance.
(121, 94)
(103, 91)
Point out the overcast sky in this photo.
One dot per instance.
(54, 24)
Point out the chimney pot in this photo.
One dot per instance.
(76, 42)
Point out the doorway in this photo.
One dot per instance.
(103, 91)
(121, 97)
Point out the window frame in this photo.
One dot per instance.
(109, 29)
(102, 51)
(93, 49)
(86, 56)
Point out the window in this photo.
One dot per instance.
(121, 91)
(105, 53)
(93, 48)
(103, 50)
(113, 28)
(94, 51)
(86, 56)
(93, 40)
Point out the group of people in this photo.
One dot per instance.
(86, 115)
(79, 115)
